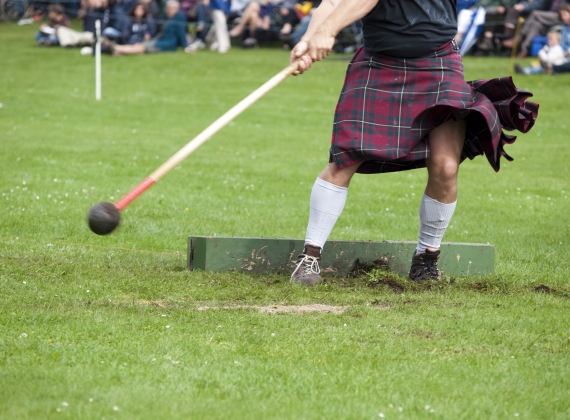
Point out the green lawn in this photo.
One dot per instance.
(110, 327)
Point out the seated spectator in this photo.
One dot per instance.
(291, 13)
(90, 12)
(565, 43)
(47, 34)
(277, 18)
(203, 26)
(117, 27)
(142, 27)
(220, 9)
(550, 55)
(537, 23)
(173, 35)
(255, 15)
(236, 9)
(211, 12)
(306, 14)
(523, 9)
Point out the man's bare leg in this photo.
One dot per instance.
(128, 49)
(286, 29)
(440, 197)
(446, 144)
(336, 176)
(250, 17)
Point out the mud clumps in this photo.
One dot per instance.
(379, 273)
(543, 288)
(558, 292)
(361, 268)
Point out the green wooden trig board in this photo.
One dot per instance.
(273, 255)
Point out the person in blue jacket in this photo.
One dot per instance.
(173, 35)
(142, 27)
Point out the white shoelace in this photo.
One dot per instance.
(309, 265)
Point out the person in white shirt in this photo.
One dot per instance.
(550, 55)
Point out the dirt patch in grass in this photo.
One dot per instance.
(283, 309)
(424, 334)
(378, 304)
(155, 303)
(269, 309)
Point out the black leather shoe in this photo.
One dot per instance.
(424, 266)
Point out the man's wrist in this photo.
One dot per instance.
(327, 28)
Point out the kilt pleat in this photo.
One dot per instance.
(389, 105)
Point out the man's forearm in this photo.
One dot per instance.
(339, 14)
(320, 14)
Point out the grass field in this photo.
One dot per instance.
(109, 327)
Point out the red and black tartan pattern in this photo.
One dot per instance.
(388, 106)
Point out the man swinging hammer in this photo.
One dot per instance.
(404, 105)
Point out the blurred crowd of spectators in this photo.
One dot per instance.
(485, 27)
(144, 26)
(508, 27)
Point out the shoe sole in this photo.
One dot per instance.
(307, 282)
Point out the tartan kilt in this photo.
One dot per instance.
(389, 105)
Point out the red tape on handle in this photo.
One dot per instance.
(134, 193)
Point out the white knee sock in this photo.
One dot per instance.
(327, 203)
(434, 218)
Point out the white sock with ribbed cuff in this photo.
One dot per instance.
(327, 203)
(434, 219)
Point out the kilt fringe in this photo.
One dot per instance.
(514, 111)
